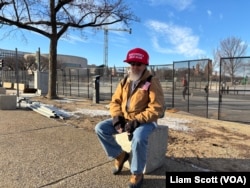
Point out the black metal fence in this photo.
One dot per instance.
(222, 94)
(80, 82)
(197, 73)
(234, 90)
(13, 77)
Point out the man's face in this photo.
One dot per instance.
(136, 70)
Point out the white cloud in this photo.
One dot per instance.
(74, 39)
(169, 38)
(209, 12)
(177, 4)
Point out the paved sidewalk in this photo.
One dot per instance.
(37, 151)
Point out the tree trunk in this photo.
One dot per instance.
(52, 68)
(53, 53)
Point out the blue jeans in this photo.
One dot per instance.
(105, 131)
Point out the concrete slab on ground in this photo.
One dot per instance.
(37, 151)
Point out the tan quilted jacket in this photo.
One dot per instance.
(145, 105)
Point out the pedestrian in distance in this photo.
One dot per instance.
(185, 87)
(206, 91)
(135, 107)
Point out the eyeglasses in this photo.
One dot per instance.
(135, 64)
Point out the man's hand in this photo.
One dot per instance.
(131, 126)
(119, 123)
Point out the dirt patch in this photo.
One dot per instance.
(209, 144)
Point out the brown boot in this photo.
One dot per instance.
(135, 181)
(119, 162)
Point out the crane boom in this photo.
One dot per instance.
(105, 58)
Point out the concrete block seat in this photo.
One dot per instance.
(157, 148)
(8, 102)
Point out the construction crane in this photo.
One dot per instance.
(105, 58)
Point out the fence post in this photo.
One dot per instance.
(96, 88)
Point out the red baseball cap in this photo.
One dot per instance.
(137, 55)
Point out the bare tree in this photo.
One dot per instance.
(231, 48)
(10, 63)
(32, 64)
(44, 63)
(54, 20)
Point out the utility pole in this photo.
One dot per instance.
(105, 58)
